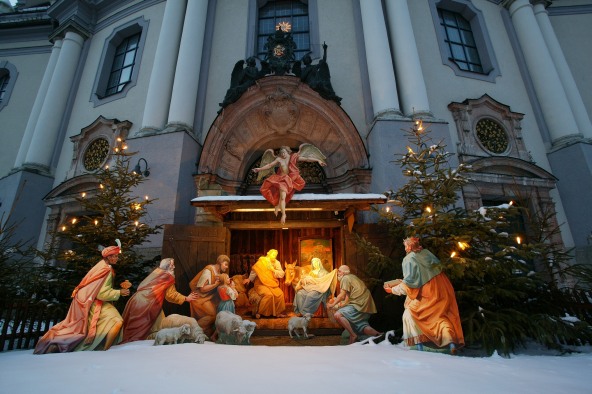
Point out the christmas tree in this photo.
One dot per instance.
(503, 300)
(111, 212)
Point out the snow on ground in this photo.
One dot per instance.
(140, 367)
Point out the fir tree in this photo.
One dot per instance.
(502, 300)
(110, 212)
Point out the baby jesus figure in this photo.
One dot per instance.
(279, 188)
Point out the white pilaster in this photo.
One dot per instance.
(383, 85)
(412, 88)
(46, 131)
(184, 96)
(163, 71)
(565, 75)
(554, 104)
(38, 104)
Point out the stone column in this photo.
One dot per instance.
(383, 85)
(46, 131)
(163, 70)
(412, 87)
(554, 104)
(38, 104)
(184, 96)
(565, 75)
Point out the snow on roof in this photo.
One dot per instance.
(297, 197)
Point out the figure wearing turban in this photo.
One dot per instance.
(92, 322)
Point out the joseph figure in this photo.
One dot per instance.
(264, 275)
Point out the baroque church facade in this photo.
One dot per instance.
(505, 84)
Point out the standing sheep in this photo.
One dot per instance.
(171, 335)
(299, 322)
(196, 335)
(232, 330)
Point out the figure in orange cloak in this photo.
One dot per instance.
(431, 312)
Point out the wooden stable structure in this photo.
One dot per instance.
(248, 228)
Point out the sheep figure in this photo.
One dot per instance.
(197, 334)
(231, 329)
(299, 323)
(171, 335)
(249, 328)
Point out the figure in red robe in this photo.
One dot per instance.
(143, 312)
(92, 321)
(279, 188)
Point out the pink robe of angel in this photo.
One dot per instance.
(290, 182)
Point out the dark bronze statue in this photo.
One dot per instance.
(317, 76)
(241, 79)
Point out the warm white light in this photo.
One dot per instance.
(101, 186)
(146, 198)
(136, 223)
(118, 139)
(83, 194)
(518, 240)
(74, 220)
(63, 228)
(452, 255)
(428, 210)
(463, 245)
(96, 222)
(124, 147)
(511, 203)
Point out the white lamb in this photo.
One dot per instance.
(232, 329)
(197, 334)
(299, 322)
(171, 335)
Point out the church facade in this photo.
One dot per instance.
(200, 89)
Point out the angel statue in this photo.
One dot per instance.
(279, 188)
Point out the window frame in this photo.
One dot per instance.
(253, 26)
(480, 34)
(7, 69)
(118, 36)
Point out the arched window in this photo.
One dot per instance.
(8, 76)
(292, 12)
(463, 39)
(120, 63)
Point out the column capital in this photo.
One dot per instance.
(69, 27)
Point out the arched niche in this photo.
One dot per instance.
(280, 111)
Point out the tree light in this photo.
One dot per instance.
(74, 220)
(463, 245)
(428, 210)
(63, 228)
(452, 255)
(83, 194)
(96, 222)
(518, 240)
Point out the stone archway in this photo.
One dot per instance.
(281, 111)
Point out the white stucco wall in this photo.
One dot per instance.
(131, 107)
(14, 116)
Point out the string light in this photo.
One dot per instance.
(452, 255)
(463, 245)
(96, 222)
(101, 186)
(83, 194)
(74, 220)
(518, 240)
(63, 228)
(118, 139)
(146, 197)
(428, 210)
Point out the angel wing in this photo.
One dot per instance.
(268, 157)
(309, 151)
(237, 73)
(297, 69)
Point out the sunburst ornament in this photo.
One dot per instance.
(284, 26)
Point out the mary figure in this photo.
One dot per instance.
(314, 288)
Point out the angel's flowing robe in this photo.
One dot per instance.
(290, 182)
